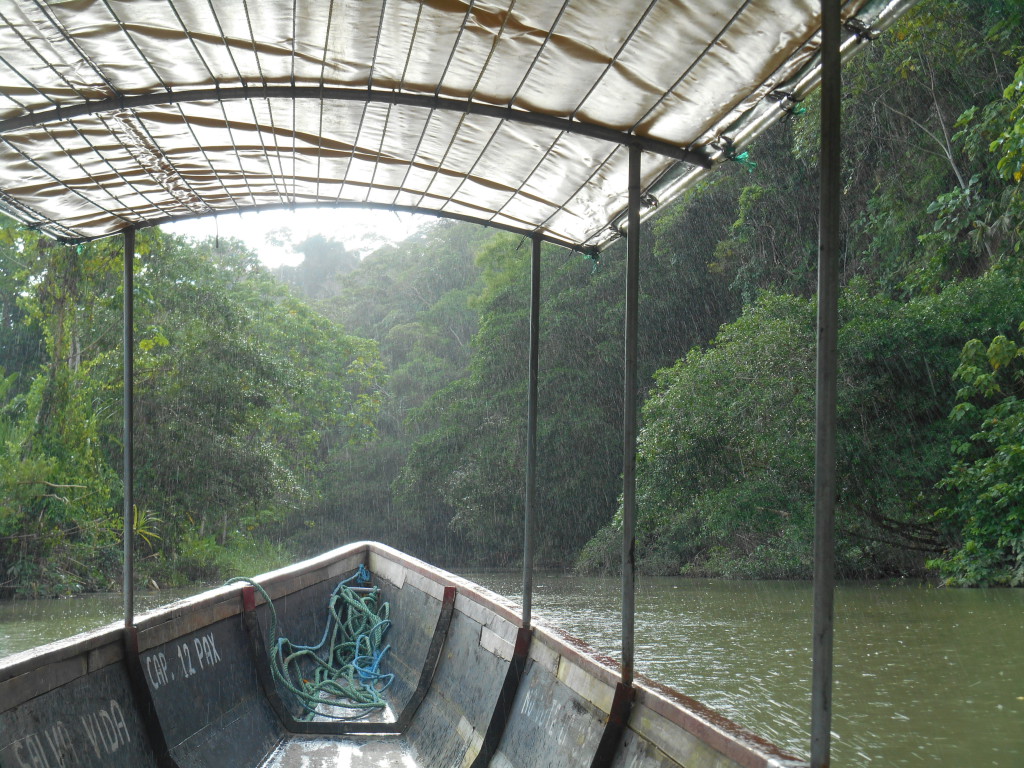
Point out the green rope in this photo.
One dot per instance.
(343, 669)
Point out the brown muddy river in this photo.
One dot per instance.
(923, 676)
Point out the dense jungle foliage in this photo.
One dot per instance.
(243, 397)
(385, 398)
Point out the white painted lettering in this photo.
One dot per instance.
(36, 754)
(156, 669)
(69, 745)
(58, 739)
(193, 658)
(106, 729)
(20, 755)
(110, 740)
(28, 753)
(206, 650)
(163, 665)
(91, 725)
(55, 750)
(154, 680)
(211, 649)
(117, 715)
(185, 659)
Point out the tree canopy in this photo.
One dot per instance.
(385, 397)
(243, 396)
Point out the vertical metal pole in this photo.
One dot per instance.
(825, 426)
(128, 343)
(629, 406)
(531, 436)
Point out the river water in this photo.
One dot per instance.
(923, 676)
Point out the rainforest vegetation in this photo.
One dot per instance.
(283, 413)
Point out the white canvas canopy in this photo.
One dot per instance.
(513, 113)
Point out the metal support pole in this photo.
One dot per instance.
(825, 425)
(629, 407)
(128, 343)
(622, 702)
(529, 523)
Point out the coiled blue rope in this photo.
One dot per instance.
(343, 669)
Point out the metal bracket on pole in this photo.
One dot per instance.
(506, 699)
(618, 718)
(144, 703)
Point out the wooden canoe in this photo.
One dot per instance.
(189, 687)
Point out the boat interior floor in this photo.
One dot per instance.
(341, 752)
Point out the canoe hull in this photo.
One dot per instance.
(72, 703)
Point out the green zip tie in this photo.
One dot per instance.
(743, 158)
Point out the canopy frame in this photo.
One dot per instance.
(572, 125)
(572, 84)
